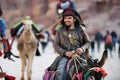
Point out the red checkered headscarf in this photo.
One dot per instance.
(69, 12)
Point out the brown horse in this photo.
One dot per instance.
(27, 45)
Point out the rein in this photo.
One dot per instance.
(76, 58)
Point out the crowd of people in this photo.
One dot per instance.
(110, 39)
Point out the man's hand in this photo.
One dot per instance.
(69, 54)
(79, 51)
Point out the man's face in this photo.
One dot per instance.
(68, 20)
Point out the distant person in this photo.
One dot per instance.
(64, 4)
(60, 7)
(44, 41)
(6, 45)
(114, 40)
(119, 47)
(108, 42)
(98, 39)
(92, 47)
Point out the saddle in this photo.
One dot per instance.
(50, 71)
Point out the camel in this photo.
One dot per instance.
(27, 46)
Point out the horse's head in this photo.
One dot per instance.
(95, 70)
(95, 63)
(94, 74)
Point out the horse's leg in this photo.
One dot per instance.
(23, 60)
(29, 68)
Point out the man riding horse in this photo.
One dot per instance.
(70, 37)
(71, 42)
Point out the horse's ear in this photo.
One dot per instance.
(105, 53)
(103, 59)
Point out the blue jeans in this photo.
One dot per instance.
(61, 69)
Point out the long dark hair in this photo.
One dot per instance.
(78, 18)
(1, 11)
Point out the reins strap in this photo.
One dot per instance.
(12, 41)
(75, 65)
(76, 59)
(1, 69)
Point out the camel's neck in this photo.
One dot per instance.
(28, 36)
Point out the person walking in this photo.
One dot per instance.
(98, 39)
(64, 4)
(119, 47)
(114, 39)
(108, 42)
(6, 45)
(92, 47)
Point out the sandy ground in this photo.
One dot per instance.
(40, 63)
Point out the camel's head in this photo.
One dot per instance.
(28, 33)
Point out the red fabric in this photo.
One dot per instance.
(9, 77)
(79, 76)
(40, 36)
(53, 30)
(108, 39)
(1, 53)
(69, 12)
(102, 71)
(6, 43)
(49, 75)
